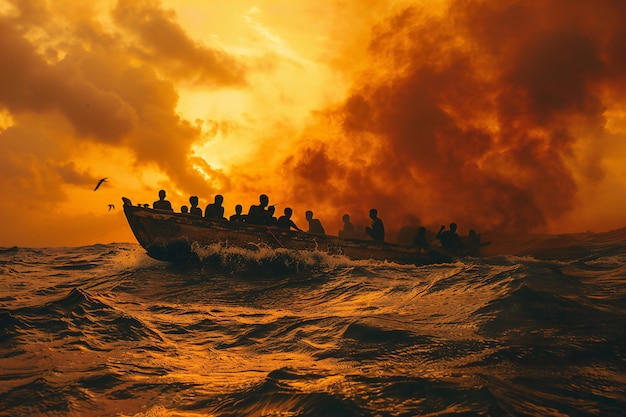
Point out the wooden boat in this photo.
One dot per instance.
(169, 236)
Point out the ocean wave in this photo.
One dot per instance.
(261, 331)
(264, 260)
(41, 396)
(278, 395)
(80, 318)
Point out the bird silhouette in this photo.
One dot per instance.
(111, 207)
(100, 183)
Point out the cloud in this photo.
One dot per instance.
(29, 83)
(78, 91)
(100, 88)
(475, 115)
(163, 43)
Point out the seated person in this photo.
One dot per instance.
(237, 217)
(420, 239)
(258, 213)
(450, 240)
(473, 237)
(315, 226)
(348, 228)
(215, 210)
(162, 203)
(285, 223)
(271, 220)
(194, 209)
(377, 231)
(474, 243)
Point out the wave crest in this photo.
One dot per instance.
(267, 261)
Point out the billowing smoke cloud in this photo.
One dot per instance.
(474, 115)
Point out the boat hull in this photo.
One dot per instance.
(168, 236)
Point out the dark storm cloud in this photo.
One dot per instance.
(473, 116)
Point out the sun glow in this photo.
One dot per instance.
(6, 120)
(197, 104)
(8, 9)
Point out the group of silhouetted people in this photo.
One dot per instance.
(263, 214)
(451, 241)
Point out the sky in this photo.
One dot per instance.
(502, 115)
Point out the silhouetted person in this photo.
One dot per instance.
(184, 209)
(285, 223)
(258, 213)
(215, 210)
(271, 220)
(377, 231)
(162, 203)
(194, 209)
(348, 228)
(450, 240)
(474, 243)
(474, 238)
(237, 217)
(315, 225)
(420, 239)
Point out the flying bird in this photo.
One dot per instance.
(111, 207)
(99, 183)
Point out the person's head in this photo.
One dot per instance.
(288, 212)
(308, 215)
(219, 199)
(264, 200)
(161, 194)
(346, 218)
(184, 209)
(453, 227)
(472, 232)
(238, 209)
(421, 230)
(373, 213)
(193, 200)
(271, 210)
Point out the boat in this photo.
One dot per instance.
(172, 237)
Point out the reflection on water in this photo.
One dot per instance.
(104, 330)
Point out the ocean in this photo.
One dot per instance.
(536, 329)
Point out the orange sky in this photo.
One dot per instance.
(495, 114)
